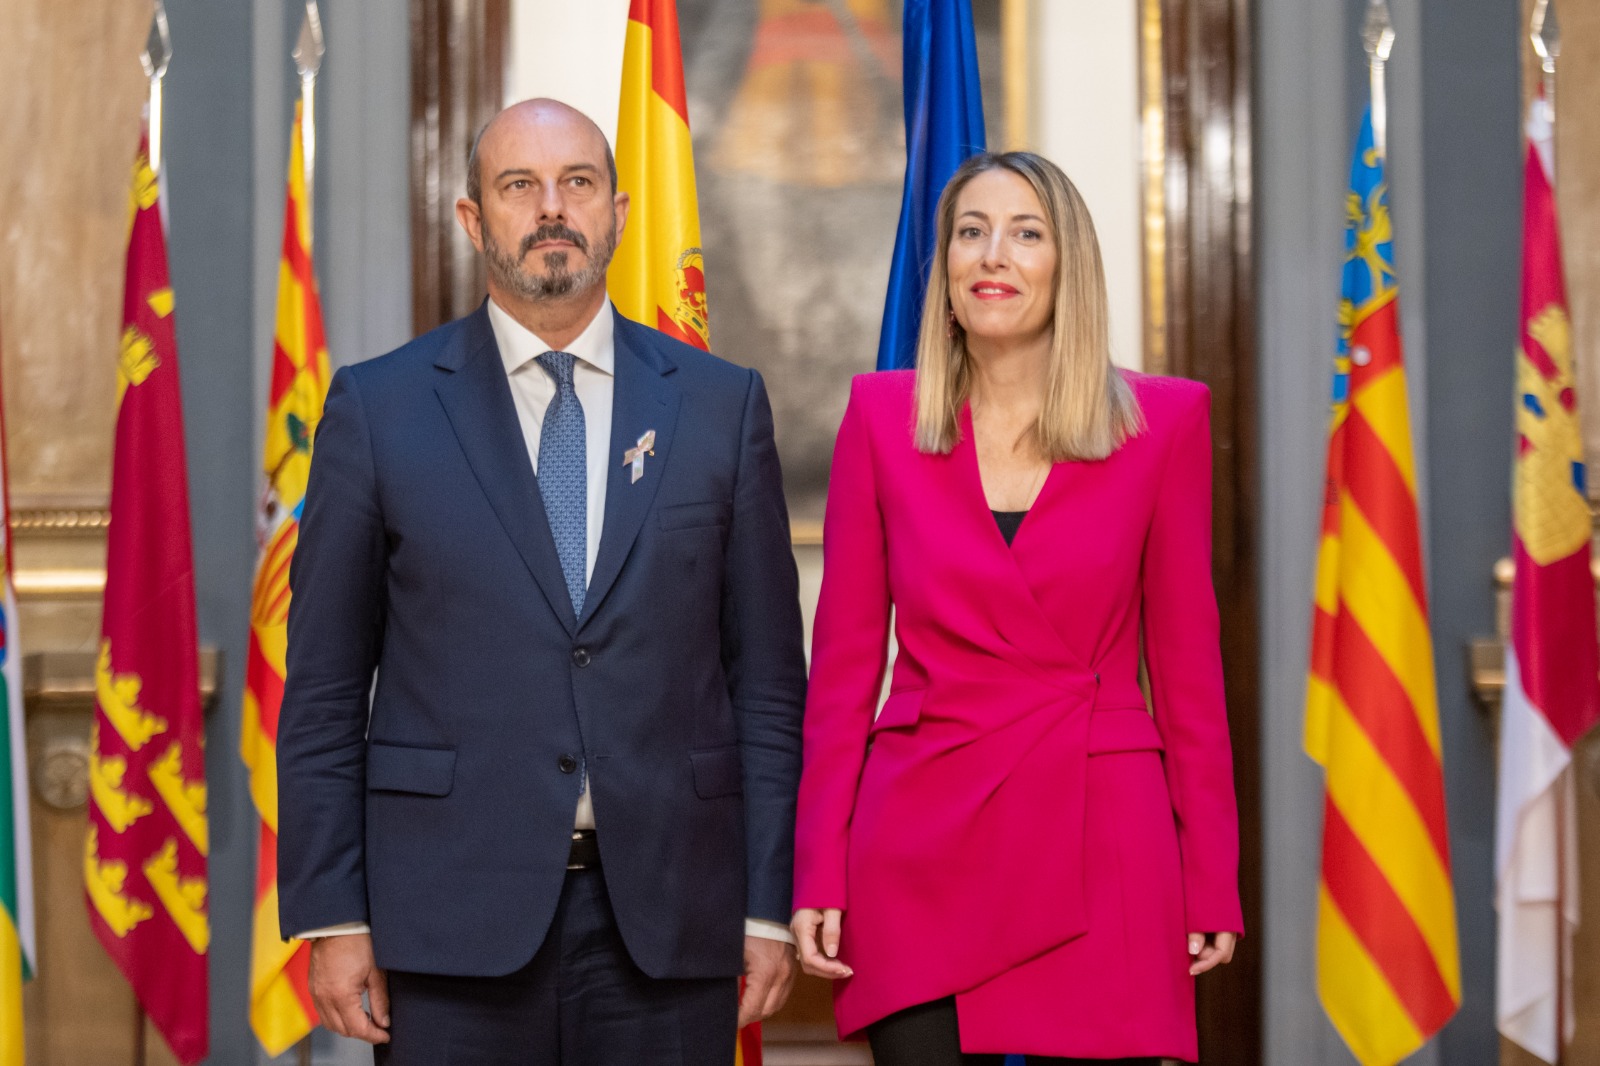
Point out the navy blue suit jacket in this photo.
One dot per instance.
(436, 804)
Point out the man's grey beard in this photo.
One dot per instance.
(508, 272)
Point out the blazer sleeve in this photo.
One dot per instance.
(1183, 654)
(849, 650)
(764, 659)
(335, 635)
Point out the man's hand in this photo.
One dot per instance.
(1210, 950)
(817, 934)
(768, 977)
(342, 967)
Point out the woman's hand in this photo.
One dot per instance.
(1209, 950)
(816, 934)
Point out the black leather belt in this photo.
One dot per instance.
(585, 853)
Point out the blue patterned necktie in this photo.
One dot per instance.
(563, 477)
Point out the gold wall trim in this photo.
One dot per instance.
(1153, 115)
(64, 680)
(1016, 30)
(64, 583)
(55, 521)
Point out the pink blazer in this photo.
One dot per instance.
(956, 848)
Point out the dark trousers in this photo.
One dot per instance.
(580, 1002)
(929, 1035)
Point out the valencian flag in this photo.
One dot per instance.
(1552, 695)
(281, 1011)
(144, 861)
(1388, 970)
(17, 957)
(658, 275)
(944, 125)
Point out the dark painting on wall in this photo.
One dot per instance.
(799, 144)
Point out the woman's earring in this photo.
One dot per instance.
(951, 324)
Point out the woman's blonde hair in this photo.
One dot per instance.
(1089, 410)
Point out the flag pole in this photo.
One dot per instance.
(138, 1032)
(308, 53)
(1544, 30)
(1377, 36)
(155, 57)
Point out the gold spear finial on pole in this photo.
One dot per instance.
(1377, 36)
(155, 57)
(308, 52)
(1545, 31)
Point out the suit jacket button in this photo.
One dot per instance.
(567, 764)
(581, 657)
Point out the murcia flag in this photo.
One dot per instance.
(1388, 971)
(658, 275)
(1552, 695)
(144, 858)
(281, 1011)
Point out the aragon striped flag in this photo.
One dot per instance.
(1552, 696)
(144, 861)
(17, 952)
(658, 274)
(1388, 968)
(281, 1011)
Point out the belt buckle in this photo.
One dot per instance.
(580, 836)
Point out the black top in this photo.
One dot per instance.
(1009, 522)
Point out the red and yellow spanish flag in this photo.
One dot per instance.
(144, 860)
(281, 1012)
(658, 274)
(1552, 697)
(1388, 970)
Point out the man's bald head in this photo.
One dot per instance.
(532, 113)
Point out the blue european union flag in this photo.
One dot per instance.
(944, 125)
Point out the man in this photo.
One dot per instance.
(547, 547)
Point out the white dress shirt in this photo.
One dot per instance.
(532, 389)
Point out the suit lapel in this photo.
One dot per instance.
(643, 399)
(1020, 618)
(477, 399)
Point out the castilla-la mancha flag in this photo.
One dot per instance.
(1388, 967)
(1552, 695)
(144, 860)
(658, 275)
(281, 1011)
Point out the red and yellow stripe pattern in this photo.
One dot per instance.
(658, 274)
(281, 1012)
(1388, 969)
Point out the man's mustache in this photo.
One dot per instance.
(553, 231)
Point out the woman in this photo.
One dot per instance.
(1015, 856)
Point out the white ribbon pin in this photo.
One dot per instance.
(635, 456)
